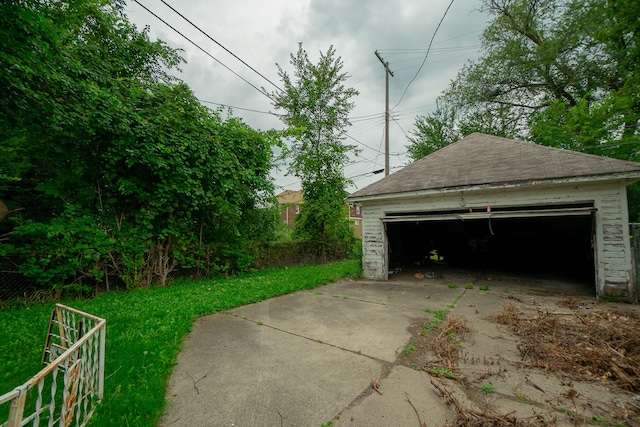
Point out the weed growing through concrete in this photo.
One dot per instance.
(453, 286)
(566, 411)
(484, 288)
(409, 349)
(608, 298)
(442, 371)
(488, 388)
(469, 286)
(440, 315)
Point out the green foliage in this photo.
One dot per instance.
(316, 105)
(488, 388)
(67, 252)
(449, 124)
(409, 349)
(145, 331)
(442, 372)
(114, 160)
(440, 315)
(561, 73)
(433, 132)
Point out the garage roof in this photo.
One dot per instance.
(481, 159)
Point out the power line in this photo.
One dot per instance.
(375, 172)
(218, 43)
(198, 46)
(426, 54)
(239, 108)
(363, 144)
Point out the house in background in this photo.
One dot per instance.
(355, 217)
(291, 201)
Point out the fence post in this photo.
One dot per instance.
(103, 339)
(17, 408)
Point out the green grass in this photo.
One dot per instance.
(145, 331)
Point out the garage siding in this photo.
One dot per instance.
(374, 248)
(613, 249)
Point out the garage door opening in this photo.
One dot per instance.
(549, 245)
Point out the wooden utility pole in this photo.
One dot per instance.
(386, 114)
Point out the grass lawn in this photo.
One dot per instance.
(145, 330)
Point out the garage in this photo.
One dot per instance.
(547, 243)
(499, 204)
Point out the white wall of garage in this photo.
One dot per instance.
(613, 259)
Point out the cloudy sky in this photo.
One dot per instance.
(265, 32)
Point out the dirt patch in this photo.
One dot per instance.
(575, 364)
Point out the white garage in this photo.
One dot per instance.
(493, 202)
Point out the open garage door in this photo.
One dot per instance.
(544, 240)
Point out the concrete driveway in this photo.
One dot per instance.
(304, 358)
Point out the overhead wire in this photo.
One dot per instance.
(202, 49)
(218, 43)
(366, 118)
(239, 108)
(426, 54)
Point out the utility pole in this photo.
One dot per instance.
(386, 114)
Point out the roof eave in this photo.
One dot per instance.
(629, 177)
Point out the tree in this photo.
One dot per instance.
(566, 71)
(447, 125)
(562, 73)
(116, 167)
(316, 105)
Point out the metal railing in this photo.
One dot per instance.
(73, 374)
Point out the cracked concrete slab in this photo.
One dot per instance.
(235, 372)
(310, 358)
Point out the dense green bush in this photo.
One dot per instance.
(114, 168)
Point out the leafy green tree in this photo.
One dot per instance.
(316, 105)
(447, 124)
(562, 73)
(566, 70)
(116, 168)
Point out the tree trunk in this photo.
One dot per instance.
(4, 210)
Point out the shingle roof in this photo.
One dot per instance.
(481, 159)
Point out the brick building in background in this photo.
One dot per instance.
(355, 217)
(291, 202)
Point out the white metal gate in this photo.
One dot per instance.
(69, 387)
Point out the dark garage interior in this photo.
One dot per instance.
(544, 246)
